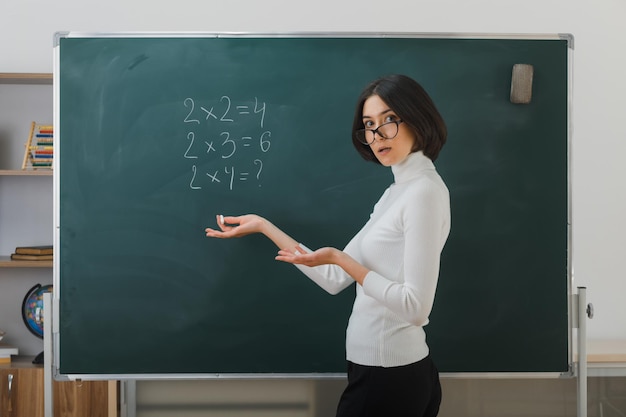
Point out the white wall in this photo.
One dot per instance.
(599, 138)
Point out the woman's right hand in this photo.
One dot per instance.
(236, 226)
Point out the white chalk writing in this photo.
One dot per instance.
(226, 142)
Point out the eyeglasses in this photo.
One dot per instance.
(385, 131)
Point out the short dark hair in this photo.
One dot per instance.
(408, 99)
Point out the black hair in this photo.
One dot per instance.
(408, 99)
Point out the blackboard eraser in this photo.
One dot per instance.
(522, 83)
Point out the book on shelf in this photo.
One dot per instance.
(21, 257)
(6, 352)
(34, 250)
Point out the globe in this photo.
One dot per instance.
(32, 309)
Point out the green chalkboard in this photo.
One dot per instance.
(158, 134)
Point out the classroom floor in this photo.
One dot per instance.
(318, 398)
(606, 397)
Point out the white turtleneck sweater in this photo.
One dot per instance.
(401, 245)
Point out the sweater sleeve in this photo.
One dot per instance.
(331, 278)
(425, 221)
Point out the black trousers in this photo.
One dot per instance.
(412, 390)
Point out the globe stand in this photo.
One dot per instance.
(38, 359)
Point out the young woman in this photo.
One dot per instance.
(394, 258)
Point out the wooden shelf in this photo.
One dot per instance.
(6, 262)
(20, 361)
(71, 398)
(25, 173)
(25, 78)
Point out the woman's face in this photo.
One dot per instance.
(388, 151)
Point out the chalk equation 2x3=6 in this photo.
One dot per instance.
(228, 144)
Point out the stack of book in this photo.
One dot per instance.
(42, 150)
(33, 253)
(6, 352)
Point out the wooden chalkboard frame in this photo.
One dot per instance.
(57, 334)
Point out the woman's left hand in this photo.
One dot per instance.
(325, 256)
(322, 256)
